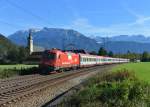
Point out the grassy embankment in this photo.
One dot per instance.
(129, 87)
(13, 70)
(141, 70)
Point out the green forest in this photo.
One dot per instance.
(144, 57)
(11, 53)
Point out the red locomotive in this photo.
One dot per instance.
(57, 60)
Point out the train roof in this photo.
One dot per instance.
(59, 51)
(77, 51)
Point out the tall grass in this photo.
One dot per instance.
(117, 89)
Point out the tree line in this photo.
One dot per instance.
(14, 55)
(144, 57)
(20, 54)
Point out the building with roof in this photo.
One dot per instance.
(35, 52)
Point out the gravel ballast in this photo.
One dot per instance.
(44, 96)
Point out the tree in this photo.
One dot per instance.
(111, 54)
(93, 53)
(145, 56)
(17, 55)
(12, 55)
(23, 54)
(102, 51)
(128, 52)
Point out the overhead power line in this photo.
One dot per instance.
(11, 25)
(28, 12)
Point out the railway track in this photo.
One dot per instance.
(21, 87)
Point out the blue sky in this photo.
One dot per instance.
(90, 17)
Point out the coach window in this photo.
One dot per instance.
(83, 59)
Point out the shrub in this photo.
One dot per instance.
(112, 92)
(117, 89)
(119, 76)
(138, 91)
(27, 71)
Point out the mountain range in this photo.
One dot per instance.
(67, 38)
(124, 46)
(56, 38)
(127, 38)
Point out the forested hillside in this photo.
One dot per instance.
(11, 53)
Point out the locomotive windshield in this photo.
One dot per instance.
(49, 56)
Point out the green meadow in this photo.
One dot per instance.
(7, 71)
(17, 66)
(142, 69)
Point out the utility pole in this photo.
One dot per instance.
(103, 39)
(107, 39)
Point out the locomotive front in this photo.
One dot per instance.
(48, 61)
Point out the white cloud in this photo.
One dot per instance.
(138, 27)
(82, 22)
(139, 18)
(142, 20)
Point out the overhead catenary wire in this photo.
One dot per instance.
(37, 17)
(11, 24)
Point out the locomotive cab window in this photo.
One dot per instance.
(49, 56)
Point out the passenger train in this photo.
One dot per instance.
(57, 60)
